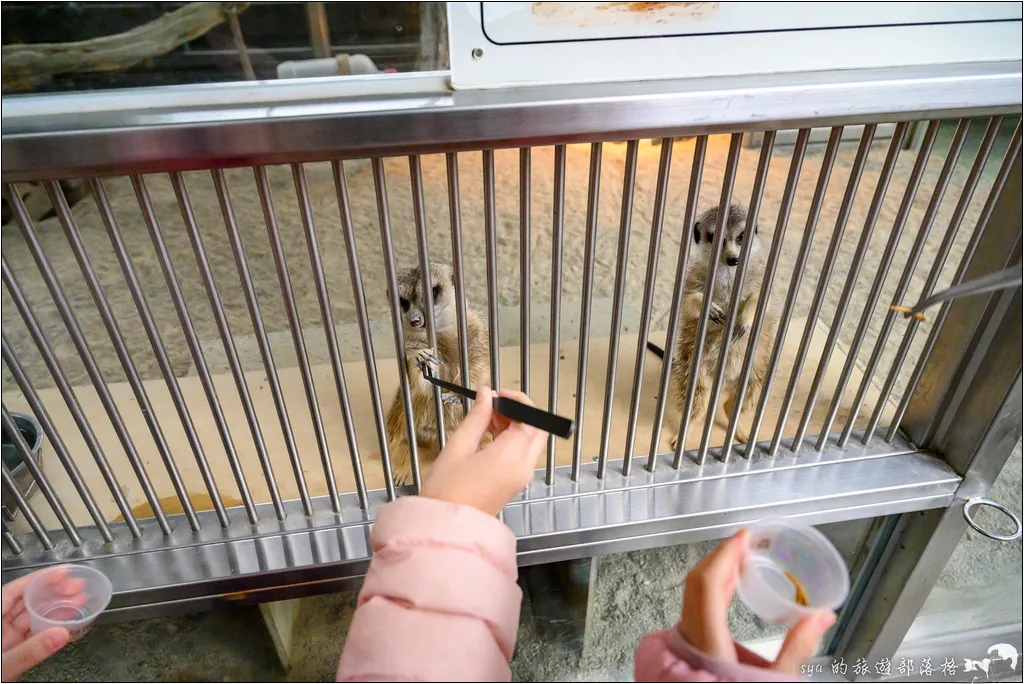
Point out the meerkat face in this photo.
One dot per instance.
(735, 234)
(414, 307)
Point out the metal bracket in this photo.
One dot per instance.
(974, 502)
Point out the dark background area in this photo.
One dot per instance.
(274, 32)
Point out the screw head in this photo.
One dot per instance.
(478, 53)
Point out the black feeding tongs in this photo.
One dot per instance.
(510, 408)
(987, 283)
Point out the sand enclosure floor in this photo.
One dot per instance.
(367, 231)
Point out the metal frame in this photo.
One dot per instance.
(287, 548)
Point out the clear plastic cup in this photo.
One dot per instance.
(68, 596)
(789, 571)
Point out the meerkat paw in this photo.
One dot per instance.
(717, 315)
(738, 332)
(402, 477)
(427, 362)
(742, 436)
(674, 441)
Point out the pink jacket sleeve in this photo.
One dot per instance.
(440, 600)
(666, 656)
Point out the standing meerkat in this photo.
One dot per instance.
(445, 361)
(724, 275)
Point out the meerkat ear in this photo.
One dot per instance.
(696, 233)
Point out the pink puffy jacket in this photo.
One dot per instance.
(440, 603)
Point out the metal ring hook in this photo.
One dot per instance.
(974, 502)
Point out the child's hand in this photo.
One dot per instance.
(486, 478)
(709, 589)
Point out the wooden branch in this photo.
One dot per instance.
(25, 66)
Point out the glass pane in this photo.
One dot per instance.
(76, 46)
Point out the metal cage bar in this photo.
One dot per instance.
(490, 231)
(359, 299)
(906, 203)
(192, 339)
(756, 193)
(657, 221)
(420, 220)
(156, 343)
(26, 509)
(12, 543)
(557, 228)
(68, 394)
(824, 173)
(782, 222)
(589, 250)
(41, 480)
(1012, 152)
(381, 191)
(252, 304)
(689, 216)
(823, 279)
(952, 155)
(89, 361)
(455, 216)
(991, 130)
(74, 239)
(692, 397)
(626, 219)
(53, 435)
(524, 268)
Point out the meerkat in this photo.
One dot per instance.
(444, 361)
(724, 274)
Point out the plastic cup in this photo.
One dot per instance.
(780, 552)
(68, 596)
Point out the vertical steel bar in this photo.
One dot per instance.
(359, 299)
(56, 443)
(657, 221)
(782, 222)
(380, 185)
(589, 250)
(827, 160)
(732, 162)
(970, 185)
(689, 216)
(756, 193)
(952, 155)
(295, 327)
(10, 540)
(74, 239)
(557, 228)
(37, 474)
(906, 204)
(851, 280)
(426, 277)
(68, 394)
(455, 215)
(524, 268)
(490, 228)
(319, 29)
(155, 341)
(30, 515)
(192, 340)
(625, 219)
(1012, 152)
(826, 273)
(234, 362)
(327, 316)
(88, 360)
(263, 342)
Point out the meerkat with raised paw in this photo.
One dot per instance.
(723, 274)
(444, 363)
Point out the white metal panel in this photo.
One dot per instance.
(522, 43)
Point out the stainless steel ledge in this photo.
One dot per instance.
(154, 130)
(275, 560)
